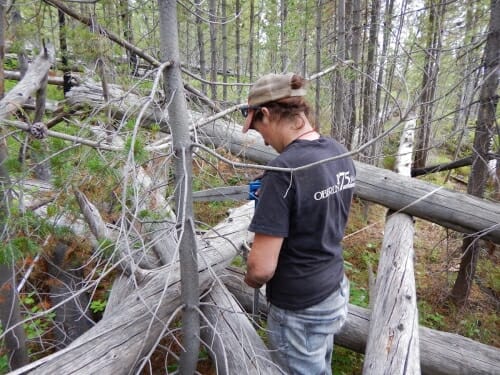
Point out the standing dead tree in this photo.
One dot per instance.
(487, 120)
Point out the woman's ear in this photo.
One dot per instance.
(266, 115)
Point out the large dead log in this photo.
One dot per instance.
(441, 353)
(454, 210)
(393, 342)
(119, 341)
(232, 340)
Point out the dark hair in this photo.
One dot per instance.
(289, 107)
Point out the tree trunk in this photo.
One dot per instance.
(317, 53)
(128, 35)
(238, 59)
(393, 342)
(485, 128)
(179, 123)
(305, 40)
(212, 4)
(31, 82)
(251, 34)
(338, 118)
(369, 115)
(283, 35)
(39, 155)
(201, 44)
(467, 66)
(64, 52)
(354, 86)
(224, 49)
(72, 316)
(380, 113)
(429, 81)
(230, 337)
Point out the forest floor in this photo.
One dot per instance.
(437, 253)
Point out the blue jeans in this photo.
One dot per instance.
(302, 340)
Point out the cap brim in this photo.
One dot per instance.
(248, 121)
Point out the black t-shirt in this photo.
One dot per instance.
(309, 209)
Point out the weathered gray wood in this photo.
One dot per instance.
(441, 353)
(392, 346)
(117, 342)
(450, 209)
(393, 342)
(458, 211)
(30, 83)
(230, 337)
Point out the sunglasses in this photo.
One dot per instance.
(244, 109)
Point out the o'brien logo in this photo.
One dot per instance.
(344, 181)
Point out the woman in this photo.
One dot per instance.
(299, 223)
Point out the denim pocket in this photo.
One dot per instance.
(317, 336)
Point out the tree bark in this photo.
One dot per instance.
(72, 317)
(283, 35)
(201, 45)
(339, 83)
(213, 48)
(485, 129)
(232, 340)
(31, 82)
(368, 112)
(64, 52)
(251, 33)
(179, 125)
(429, 81)
(393, 341)
(317, 54)
(224, 49)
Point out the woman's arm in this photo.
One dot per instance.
(262, 259)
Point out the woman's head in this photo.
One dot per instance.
(282, 95)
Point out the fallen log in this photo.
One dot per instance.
(454, 210)
(441, 353)
(393, 343)
(230, 337)
(121, 340)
